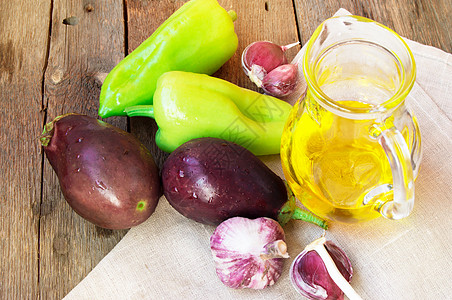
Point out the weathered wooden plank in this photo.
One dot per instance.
(424, 21)
(23, 44)
(253, 24)
(87, 38)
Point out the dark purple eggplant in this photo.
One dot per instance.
(106, 175)
(210, 180)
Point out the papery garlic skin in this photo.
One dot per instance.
(257, 74)
(240, 251)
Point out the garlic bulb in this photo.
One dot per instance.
(248, 253)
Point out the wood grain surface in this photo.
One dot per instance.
(53, 55)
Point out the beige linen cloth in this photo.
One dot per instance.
(168, 256)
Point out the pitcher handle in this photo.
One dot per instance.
(399, 158)
(415, 140)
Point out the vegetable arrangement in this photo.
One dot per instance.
(212, 174)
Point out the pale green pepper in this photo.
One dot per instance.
(189, 105)
(199, 37)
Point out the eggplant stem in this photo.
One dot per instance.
(140, 111)
(301, 214)
(335, 274)
(47, 132)
(291, 211)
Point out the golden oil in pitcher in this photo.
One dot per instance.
(334, 164)
(350, 150)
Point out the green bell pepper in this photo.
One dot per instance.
(190, 105)
(199, 37)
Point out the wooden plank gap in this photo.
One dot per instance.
(297, 23)
(126, 28)
(44, 121)
(46, 63)
(126, 45)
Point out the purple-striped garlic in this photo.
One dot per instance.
(281, 81)
(322, 271)
(248, 253)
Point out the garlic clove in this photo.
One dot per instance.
(323, 271)
(281, 81)
(248, 253)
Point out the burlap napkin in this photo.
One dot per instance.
(168, 257)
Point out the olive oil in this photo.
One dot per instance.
(341, 136)
(334, 165)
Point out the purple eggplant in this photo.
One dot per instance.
(210, 180)
(106, 175)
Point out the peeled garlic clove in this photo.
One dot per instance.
(248, 253)
(322, 271)
(281, 81)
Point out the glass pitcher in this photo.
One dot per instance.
(351, 148)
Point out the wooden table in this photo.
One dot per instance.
(48, 68)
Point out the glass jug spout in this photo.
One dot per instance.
(353, 59)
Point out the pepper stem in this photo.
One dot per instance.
(140, 111)
(335, 274)
(233, 15)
